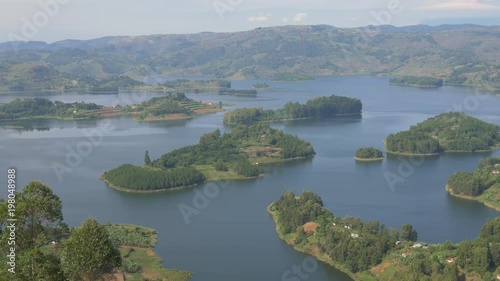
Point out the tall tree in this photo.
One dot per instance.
(408, 233)
(89, 253)
(147, 160)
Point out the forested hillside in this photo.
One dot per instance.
(373, 251)
(461, 55)
(452, 131)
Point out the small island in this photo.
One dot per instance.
(372, 251)
(482, 185)
(417, 81)
(241, 93)
(290, 77)
(260, 86)
(236, 155)
(447, 132)
(317, 108)
(168, 107)
(369, 154)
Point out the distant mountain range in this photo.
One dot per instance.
(459, 54)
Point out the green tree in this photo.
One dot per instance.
(89, 253)
(147, 160)
(408, 233)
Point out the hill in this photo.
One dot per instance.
(463, 54)
(447, 132)
(371, 251)
(237, 155)
(482, 185)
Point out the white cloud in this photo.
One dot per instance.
(284, 20)
(258, 19)
(460, 5)
(300, 17)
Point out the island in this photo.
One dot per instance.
(236, 155)
(369, 154)
(168, 107)
(482, 185)
(290, 77)
(190, 85)
(260, 86)
(417, 81)
(316, 108)
(242, 93)
(447, 132)
(370, 251)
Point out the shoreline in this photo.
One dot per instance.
(326, 260)
(369, 159)
(466, 197)
(297, 119)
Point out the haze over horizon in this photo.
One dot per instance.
(55, 20)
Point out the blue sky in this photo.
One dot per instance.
(53, 20)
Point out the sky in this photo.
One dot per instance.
(54, 20)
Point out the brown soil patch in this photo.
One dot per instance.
(381, 267)
(310, 227)
(151, 273)
(201, 111)
(109, 112)
(315, 251)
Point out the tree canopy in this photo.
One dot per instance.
(321, 107)
(452, 131)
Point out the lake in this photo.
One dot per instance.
(231, 236)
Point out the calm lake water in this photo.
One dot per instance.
(232, 237)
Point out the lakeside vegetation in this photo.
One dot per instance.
(371, 251)
(482, 185)
(447, 132)
(417, 81)
(290, 77)
(171, 106)
(243, 93)
(321, 107)
(369, 154)
(235, 155)
(47, 249)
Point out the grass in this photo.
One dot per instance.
(213, 175)
(133, 239)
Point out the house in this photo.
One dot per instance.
(398, 242)
(498, 276)
(354, 235)
(54, 244)
(496, 172)
(450, 260)
(418, 245)
(208, 103)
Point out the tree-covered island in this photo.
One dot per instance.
(369, 154)
(321, 107)
(235, 155)
(168, 107)
(447, 132)
(371, 251)
(482, 185)
(417, 81)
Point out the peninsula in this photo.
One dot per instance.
(372, 251)
(236, 155)
(317, 108)
(482, 185)
(447, 132)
